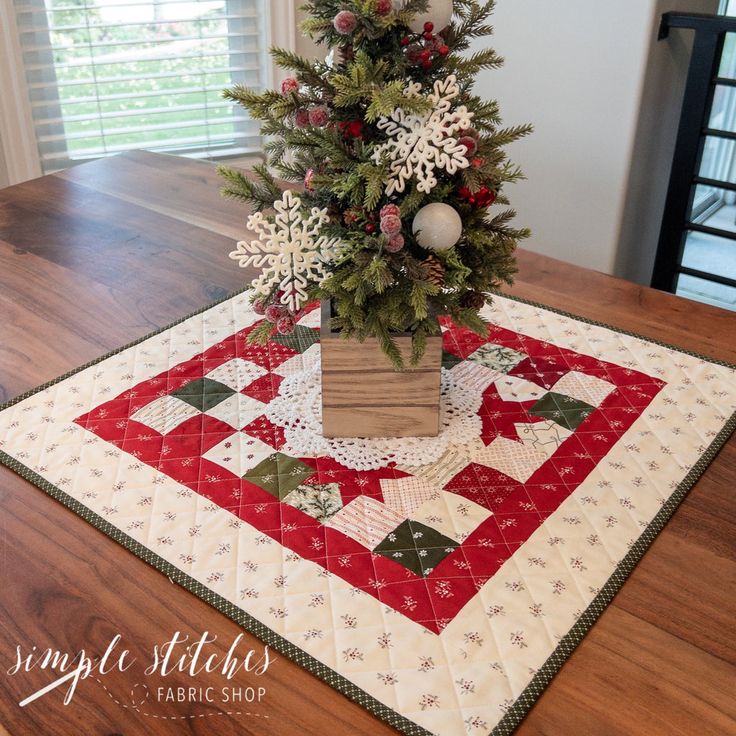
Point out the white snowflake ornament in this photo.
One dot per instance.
(291, 251)
(420, 144)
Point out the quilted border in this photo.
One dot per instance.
(523, 704)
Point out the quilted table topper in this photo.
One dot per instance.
(440, 583)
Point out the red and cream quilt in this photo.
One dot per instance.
(438, 585)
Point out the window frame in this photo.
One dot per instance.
(17, 136)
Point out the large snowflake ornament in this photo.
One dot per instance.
(420, 144)
(291, 251)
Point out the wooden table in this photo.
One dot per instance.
(96, 256)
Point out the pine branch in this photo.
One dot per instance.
(412, 201)
(261, 333)
(316, 28)
(291, 171)
(418, 298)
(259, 194)
(470, 66)
(473, 22)
(275, 150)
(472, 320)
(262, 105)
(308, 72)
(418, 345)
(378, 275)
(384, 100)
(388, 345)
(505, 136)
(485, 111)
(374, 178)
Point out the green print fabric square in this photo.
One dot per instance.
(564, 410)
(204, 393)
(416, 546)
(279, 474)
(300, 340)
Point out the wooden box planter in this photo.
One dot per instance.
(363, 396)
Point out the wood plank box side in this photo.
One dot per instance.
(362, 394)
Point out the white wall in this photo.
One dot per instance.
(604, 97)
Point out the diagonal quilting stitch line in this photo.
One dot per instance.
(632, 457)
(235, 552)
(385, 612)
(46, 428)
(483, 600)
(566, 558)
(330, 604)
(191, 539)
(615, 488)
(241, 576)
(548, 626)
(510, 566)
(453, 687)
(583, 592)
(679, 409)
(594, 524)
(119, 479)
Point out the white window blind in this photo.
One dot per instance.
(106, 76)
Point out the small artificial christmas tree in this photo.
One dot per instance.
(399, 163)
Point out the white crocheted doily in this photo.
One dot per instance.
(298, 409)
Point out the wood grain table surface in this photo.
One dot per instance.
(96, 256)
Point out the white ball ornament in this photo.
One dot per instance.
(437, 226)
(439, 13)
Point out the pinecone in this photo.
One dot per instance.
(473, 300)
(347, 54)
(435, 271)
(351, 216)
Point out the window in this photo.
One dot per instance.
(105, 76)
(696, 257)
(707, 253)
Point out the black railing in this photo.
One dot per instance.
(703, 79)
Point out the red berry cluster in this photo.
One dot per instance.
(481, 199)
(424, 48)
(345, 22)
(384, 7)
(289, 85)
(317, 116)
(387, 222)
(391, 227)
(280, 316)
(469, 138)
